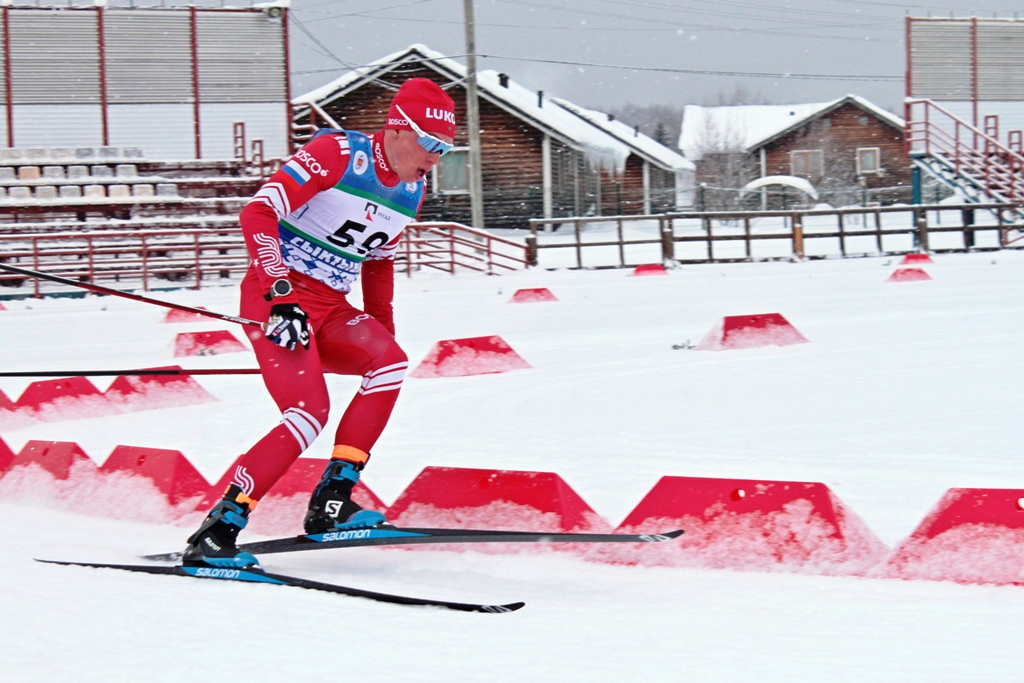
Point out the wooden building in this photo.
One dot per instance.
(538, 158)
(849, 149)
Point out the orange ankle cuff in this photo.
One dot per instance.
(349, 453)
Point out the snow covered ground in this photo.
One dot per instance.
(906, 390)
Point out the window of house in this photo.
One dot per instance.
(869, 160)
(806, 163)
(451, 175)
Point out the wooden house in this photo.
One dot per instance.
(539, 160)
(849, 149)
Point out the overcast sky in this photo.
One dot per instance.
(606, 53)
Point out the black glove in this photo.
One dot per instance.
(288, 325)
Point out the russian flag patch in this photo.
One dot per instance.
(297, 173)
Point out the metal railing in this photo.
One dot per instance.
(453, 247)
(140, 258)
(192, 257)
(723, 237)
(969, 153)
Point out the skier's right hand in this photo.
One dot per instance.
(287, 326)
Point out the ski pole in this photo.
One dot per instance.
(128, 295)
(131, 373)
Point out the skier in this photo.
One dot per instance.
(334, 212)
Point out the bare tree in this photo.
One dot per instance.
(658, 121)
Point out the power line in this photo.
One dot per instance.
(701, 72)
(673, 27)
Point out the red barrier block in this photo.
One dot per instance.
(470, 356)
(169, 471)
(971, 536)
(749, 523)
(210, 343)
(62, 399)
(911, 259)
(750, 331)
(908, 275)
(146, 392)
(176, 316)
(496, 499)
(2, 307)
(649, 269)
(6, 457)
(56, 457)
(526, 296)
(5, 402)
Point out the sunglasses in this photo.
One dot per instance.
(426, 140)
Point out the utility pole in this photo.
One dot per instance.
(476, 182)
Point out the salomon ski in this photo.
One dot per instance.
(390, 535)
(254, 575)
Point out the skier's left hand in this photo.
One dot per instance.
(287, 326)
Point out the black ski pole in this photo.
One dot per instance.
(131, 373)
(128, 295)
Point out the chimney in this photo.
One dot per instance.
(611, 117)
(636, 131)
(540, 99)
(503, 80)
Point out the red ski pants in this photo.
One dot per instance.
(344, 341)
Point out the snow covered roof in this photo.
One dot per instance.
(644, 146)
(600, 147)
(747, 127)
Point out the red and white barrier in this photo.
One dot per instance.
(533, 295)
(750, 331)
(175, 315)
(753, 524)
(916, 259)
(493, 499)
(469, 356)
(908, 275)
(649, 269)
(211, 343)
(971, 536)
(149, 392)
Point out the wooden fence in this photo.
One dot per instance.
(709, 237)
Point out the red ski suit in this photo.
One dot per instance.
(344, 340)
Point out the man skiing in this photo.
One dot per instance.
(334, 212)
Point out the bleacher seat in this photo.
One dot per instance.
(132, 153)
(166, 190)
(102, 171)
(119, 191)
(70, 191)
(142, 190)
(94, 192)
(85, 153)
(29, 173)
(46, 192)
(60, 153)
(53, 172)
(76, 172)
(3, 193)
(11, 154)
(37, 153)
(109, 152)
(7, 173)
(126, 171)
(20, 193)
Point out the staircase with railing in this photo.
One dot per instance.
(969, 160)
